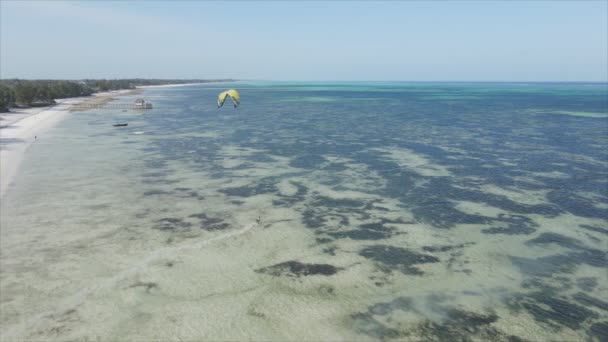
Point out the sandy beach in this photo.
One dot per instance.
(20, 128)
(174, 85)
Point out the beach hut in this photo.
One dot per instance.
(141, 104)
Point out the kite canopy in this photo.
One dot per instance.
(234, 96)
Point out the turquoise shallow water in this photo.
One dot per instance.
(316, 211)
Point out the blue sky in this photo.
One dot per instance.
(309, 40)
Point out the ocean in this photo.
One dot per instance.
(316, 211)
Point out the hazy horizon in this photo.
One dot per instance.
(312, 81)
(464, 41)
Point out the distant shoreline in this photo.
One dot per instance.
(22, 93)
(176, 85)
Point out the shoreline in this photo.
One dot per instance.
(177, 85)
(20, 129)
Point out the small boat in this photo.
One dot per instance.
(120, 124)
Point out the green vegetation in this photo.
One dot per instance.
(27, 93)
(7, 98)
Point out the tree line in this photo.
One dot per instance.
(27, 93)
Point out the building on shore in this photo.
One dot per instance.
(142, 104)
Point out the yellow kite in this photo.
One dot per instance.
(234, 96)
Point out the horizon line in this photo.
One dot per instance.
(427, 81)
(302, 80)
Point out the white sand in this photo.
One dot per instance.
(407, 159)
(20, 128)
